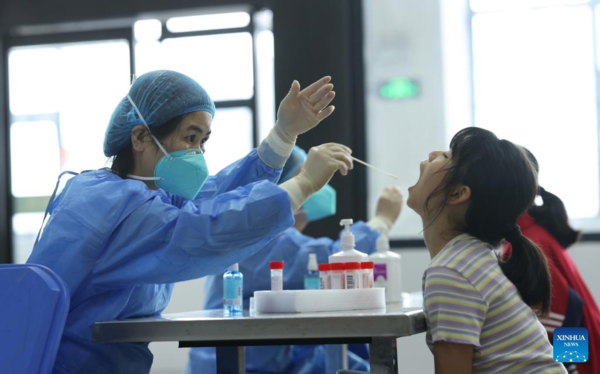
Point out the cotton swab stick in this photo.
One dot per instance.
(376, 168)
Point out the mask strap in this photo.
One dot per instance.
(50, 202)
(145, 123)
(144, 178)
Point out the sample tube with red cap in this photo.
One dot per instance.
(325, 276)
(353, 275)
(276, 275)
(367, 274)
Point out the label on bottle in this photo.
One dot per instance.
(312, 283)
(276, 283)
(380, 275)
(352, 281)
(325, 278)
(367, 279)
(232, 292)
(338, 280)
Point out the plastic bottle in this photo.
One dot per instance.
(353, 275)
(276, 275)
(325, 276)
(387, 272)
(311, 279)
(233, 290)
(348, 252)
(338, 276)
(367, 274)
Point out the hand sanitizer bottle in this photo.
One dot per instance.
(348, 252)
(387, 270)
(233, 290)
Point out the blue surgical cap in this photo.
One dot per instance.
(292, 164)
(160, 96)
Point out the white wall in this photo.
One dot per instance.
(587, 257)
(402, 38)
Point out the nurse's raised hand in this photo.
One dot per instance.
(300, 111)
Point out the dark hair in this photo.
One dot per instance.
(503, 185)
(552, 215)
(123, 161)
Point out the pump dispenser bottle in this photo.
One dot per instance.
(311, 279)
(387, 270)
(348, 252)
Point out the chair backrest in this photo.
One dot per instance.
(34, 303)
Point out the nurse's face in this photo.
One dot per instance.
(432, 172)
(192, 133)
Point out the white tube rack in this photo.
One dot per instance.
(310, 301)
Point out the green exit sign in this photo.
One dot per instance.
(399, 88)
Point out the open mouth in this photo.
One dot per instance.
(421, 168)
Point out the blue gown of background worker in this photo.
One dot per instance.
(120, 245)
(293, 248)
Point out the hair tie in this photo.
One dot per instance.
(513, 234)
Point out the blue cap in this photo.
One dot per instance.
(160, 96)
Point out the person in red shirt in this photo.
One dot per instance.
(572, 304)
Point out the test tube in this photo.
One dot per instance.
(325, 276)
(338, 276)
(276, 275)
(367, 274)
(353, 275)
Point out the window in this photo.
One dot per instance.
(61, 97)
(222, 148)
(226, 74)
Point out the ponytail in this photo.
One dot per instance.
(527, 269)
(552, 215)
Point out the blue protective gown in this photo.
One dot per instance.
(120, 246)
(293, 248)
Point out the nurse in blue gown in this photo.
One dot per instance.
(293, 248)
(121, 236)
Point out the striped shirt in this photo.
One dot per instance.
(468, 300)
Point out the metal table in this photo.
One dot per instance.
(230, 334)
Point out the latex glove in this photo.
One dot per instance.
(320, 165)
(389, 206)
(323, 161)
(300, 111)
